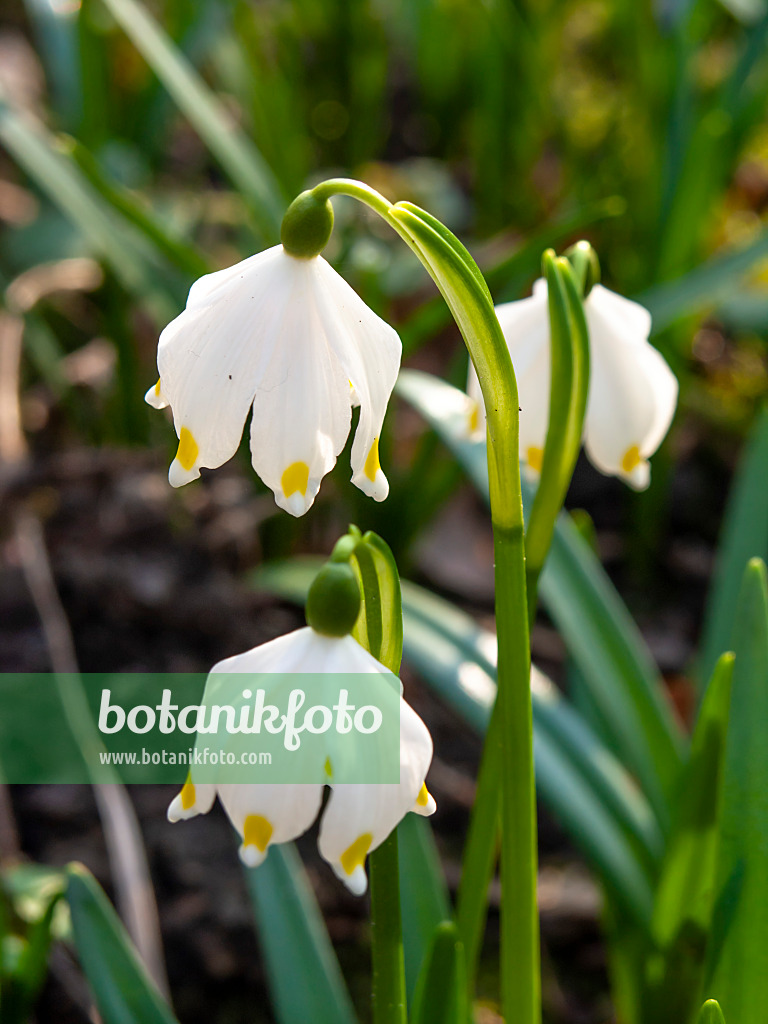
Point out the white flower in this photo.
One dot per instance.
(632, 391)
(290, 339)
(358, 816)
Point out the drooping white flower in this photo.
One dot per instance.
(358, 816)
(632, 391)
(289, 339)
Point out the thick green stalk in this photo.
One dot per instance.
(389, 1003)
(521, 985)
(568, 397)
(466, 293)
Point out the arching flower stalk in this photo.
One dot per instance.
(632, 391)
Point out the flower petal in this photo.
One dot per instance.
(359, 817)
(620, 315)
(193, 799)
(155, 396)
(302, 406)
(266, 814)
(525, 324)
(632, 399)
(212, 356)
(369, 350)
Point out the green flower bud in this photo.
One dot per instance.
(307, 226)
(333, 601)
(586, 266)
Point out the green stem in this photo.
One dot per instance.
(521, 995)
(482, 845)
(389, 1005)
(466, 293)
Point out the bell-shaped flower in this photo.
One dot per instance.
(358, 817)
(289, 339)
(632, 391)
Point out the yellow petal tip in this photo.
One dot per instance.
(535, 458)
(188, 449)
(372, 464)
(295, 478)
(354, 856)
(631, 459)
(257, 831)
(188, 794)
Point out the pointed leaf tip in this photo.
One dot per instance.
(711, 1013)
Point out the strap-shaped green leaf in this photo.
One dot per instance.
(424, 901)
(569, 386)
(295, 943)
(744, 535)
(379, 627)
(441, 995)
(711, 1013)
(683, 904)
(601, 637)
(738, 939)
(122, 989)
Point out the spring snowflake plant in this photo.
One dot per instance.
(283, 336)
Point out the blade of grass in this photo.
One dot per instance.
(238, 156)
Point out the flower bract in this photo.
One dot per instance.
(358, 817)
(632, 391)
(290, 340)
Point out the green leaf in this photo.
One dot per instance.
(744, 535)
(235, 152)
(598, 630)
(295, 943)
(379, 627)
(711, 1013)
(28, 977)
(568, 401)
(177, 251)
(739, 936)
(122, 989)
(441, 996)
(38, 152)
(683, 906)
(703, 288)
(580, 780)
(424, 899)
(684, 894)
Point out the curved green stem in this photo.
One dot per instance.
(466, 293)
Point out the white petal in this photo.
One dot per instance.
(212, 356)
(155, 396)
(302, 405)
(533, 393)
(267, 814)
(369, 350)
(194, 799)
(525, 325)
(359, 817)
(621, 315)
(632, 399)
